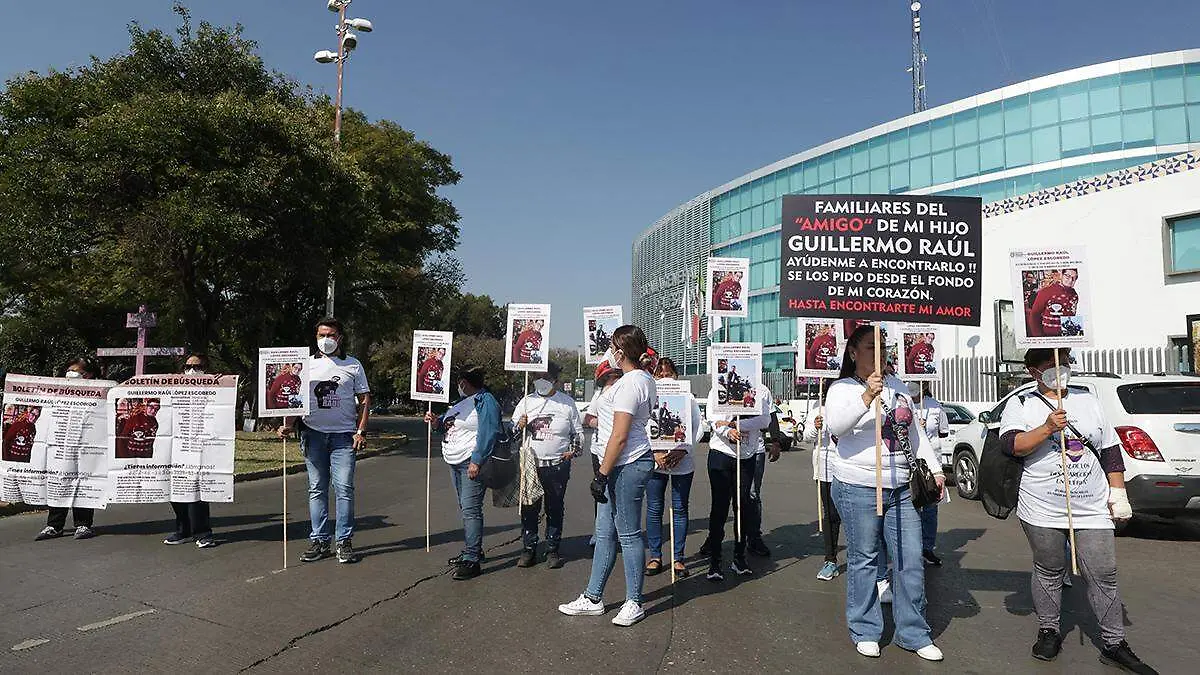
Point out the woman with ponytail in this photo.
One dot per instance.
(620, 484)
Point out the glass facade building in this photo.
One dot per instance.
(1005, 143)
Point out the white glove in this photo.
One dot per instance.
(1118, 504)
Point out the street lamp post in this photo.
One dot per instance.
(347, 41)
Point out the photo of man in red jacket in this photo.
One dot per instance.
(19, 435)
(429, 372)
(284, 390)
(137, 430)
(1056, 300)
(919, 357)
(822, 347)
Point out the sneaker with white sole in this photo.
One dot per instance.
(930, 653)
(868, 649)
(885, 591)
(740, 568)
(48, 533)
(175, 539)
(205, 541)
(714, 572)
(631, 613)
(828, 571)
(582, 606)
(84, 532)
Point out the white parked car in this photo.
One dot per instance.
(958, 417)
(1157, 418)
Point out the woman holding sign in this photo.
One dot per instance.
(677, 468)
(192, 518)
(56, 520)
(850, 416)
(1031, 428)
(620, 483)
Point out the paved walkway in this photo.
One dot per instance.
(123, 602)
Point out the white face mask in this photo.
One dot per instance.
(613, 360)
(73, 374)
(327, 345)
(193, 371)
(1054, 378)
(914, 389)
(543, 387)
(461, 392)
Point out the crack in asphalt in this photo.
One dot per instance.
(292, 643)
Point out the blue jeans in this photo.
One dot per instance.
(756, 504)
(901, 530)
(329, 457)
(929, 517)
(621, 519)
(656, 491)
(470, 504)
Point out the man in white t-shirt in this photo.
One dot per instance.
(551, 426)
(332, 432)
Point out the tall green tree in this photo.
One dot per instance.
(187, 175)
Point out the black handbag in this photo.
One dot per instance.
(923, 487)
(499, 469)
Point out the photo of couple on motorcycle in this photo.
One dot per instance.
(665, 424)
(733, 388)
(599, 336)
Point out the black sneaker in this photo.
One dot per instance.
(345, 553)
(466, 570)
(706, 549)
(554, 560)
(205, 541)
(714, 572)
(84, 532)
(48, 533)
(176, 538)
(1048, 644)
(528, 558)
(458, 559)
(931, 559)
(1121, 656)
(1067, 580)
(759, 548)
(315, 552)
(740, 567)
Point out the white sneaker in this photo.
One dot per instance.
(930, 653)
(631, 613)
(868, 649)
(885, 591)
(582, 606)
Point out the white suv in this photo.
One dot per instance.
(1157, 418)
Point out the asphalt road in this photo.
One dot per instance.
(123, 602)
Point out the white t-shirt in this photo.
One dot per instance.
(463, 433)
(824, 449)
(333, 389)
(553, 422)
(931, 411)
(601, 409)
(633, 394)
(1043, 497)
(750, 428)
(853, 422)
(687, 465)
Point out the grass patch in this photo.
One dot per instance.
(261, 450)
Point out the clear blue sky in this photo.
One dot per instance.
(578, 124)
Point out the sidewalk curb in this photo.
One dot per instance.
(12, 509)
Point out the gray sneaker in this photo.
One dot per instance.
(84, 532)
(205, 541)
(345, 552)
(315, 552)
(48, 533)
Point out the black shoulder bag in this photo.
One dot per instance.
(923, 487)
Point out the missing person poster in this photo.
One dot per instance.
(171, 439)
(919, 345)
(430, 380)
(821, 345)
(1052, 286)
(598, 326)
(670, 424)
(729, 287)
(882, 257)
(283, 374)
(737, 372)
(55, 440)
(527, 340)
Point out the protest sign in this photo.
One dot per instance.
(670, 424)
(729, 286)
(283, 378)
(882, 257)
(1052, 284)
(431, 353)
(736, 374)
(598, 326)
(919, 346)
(527, 339)
(821, 345)
(55, 440)
(171, 438)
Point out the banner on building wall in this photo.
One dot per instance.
(171, 439)
(55, 440)
(1052, 284)
(729, 287)
(431, 354)
(527, 338)
(598, 326)
(882, 257)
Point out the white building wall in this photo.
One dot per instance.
(1134, 302)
